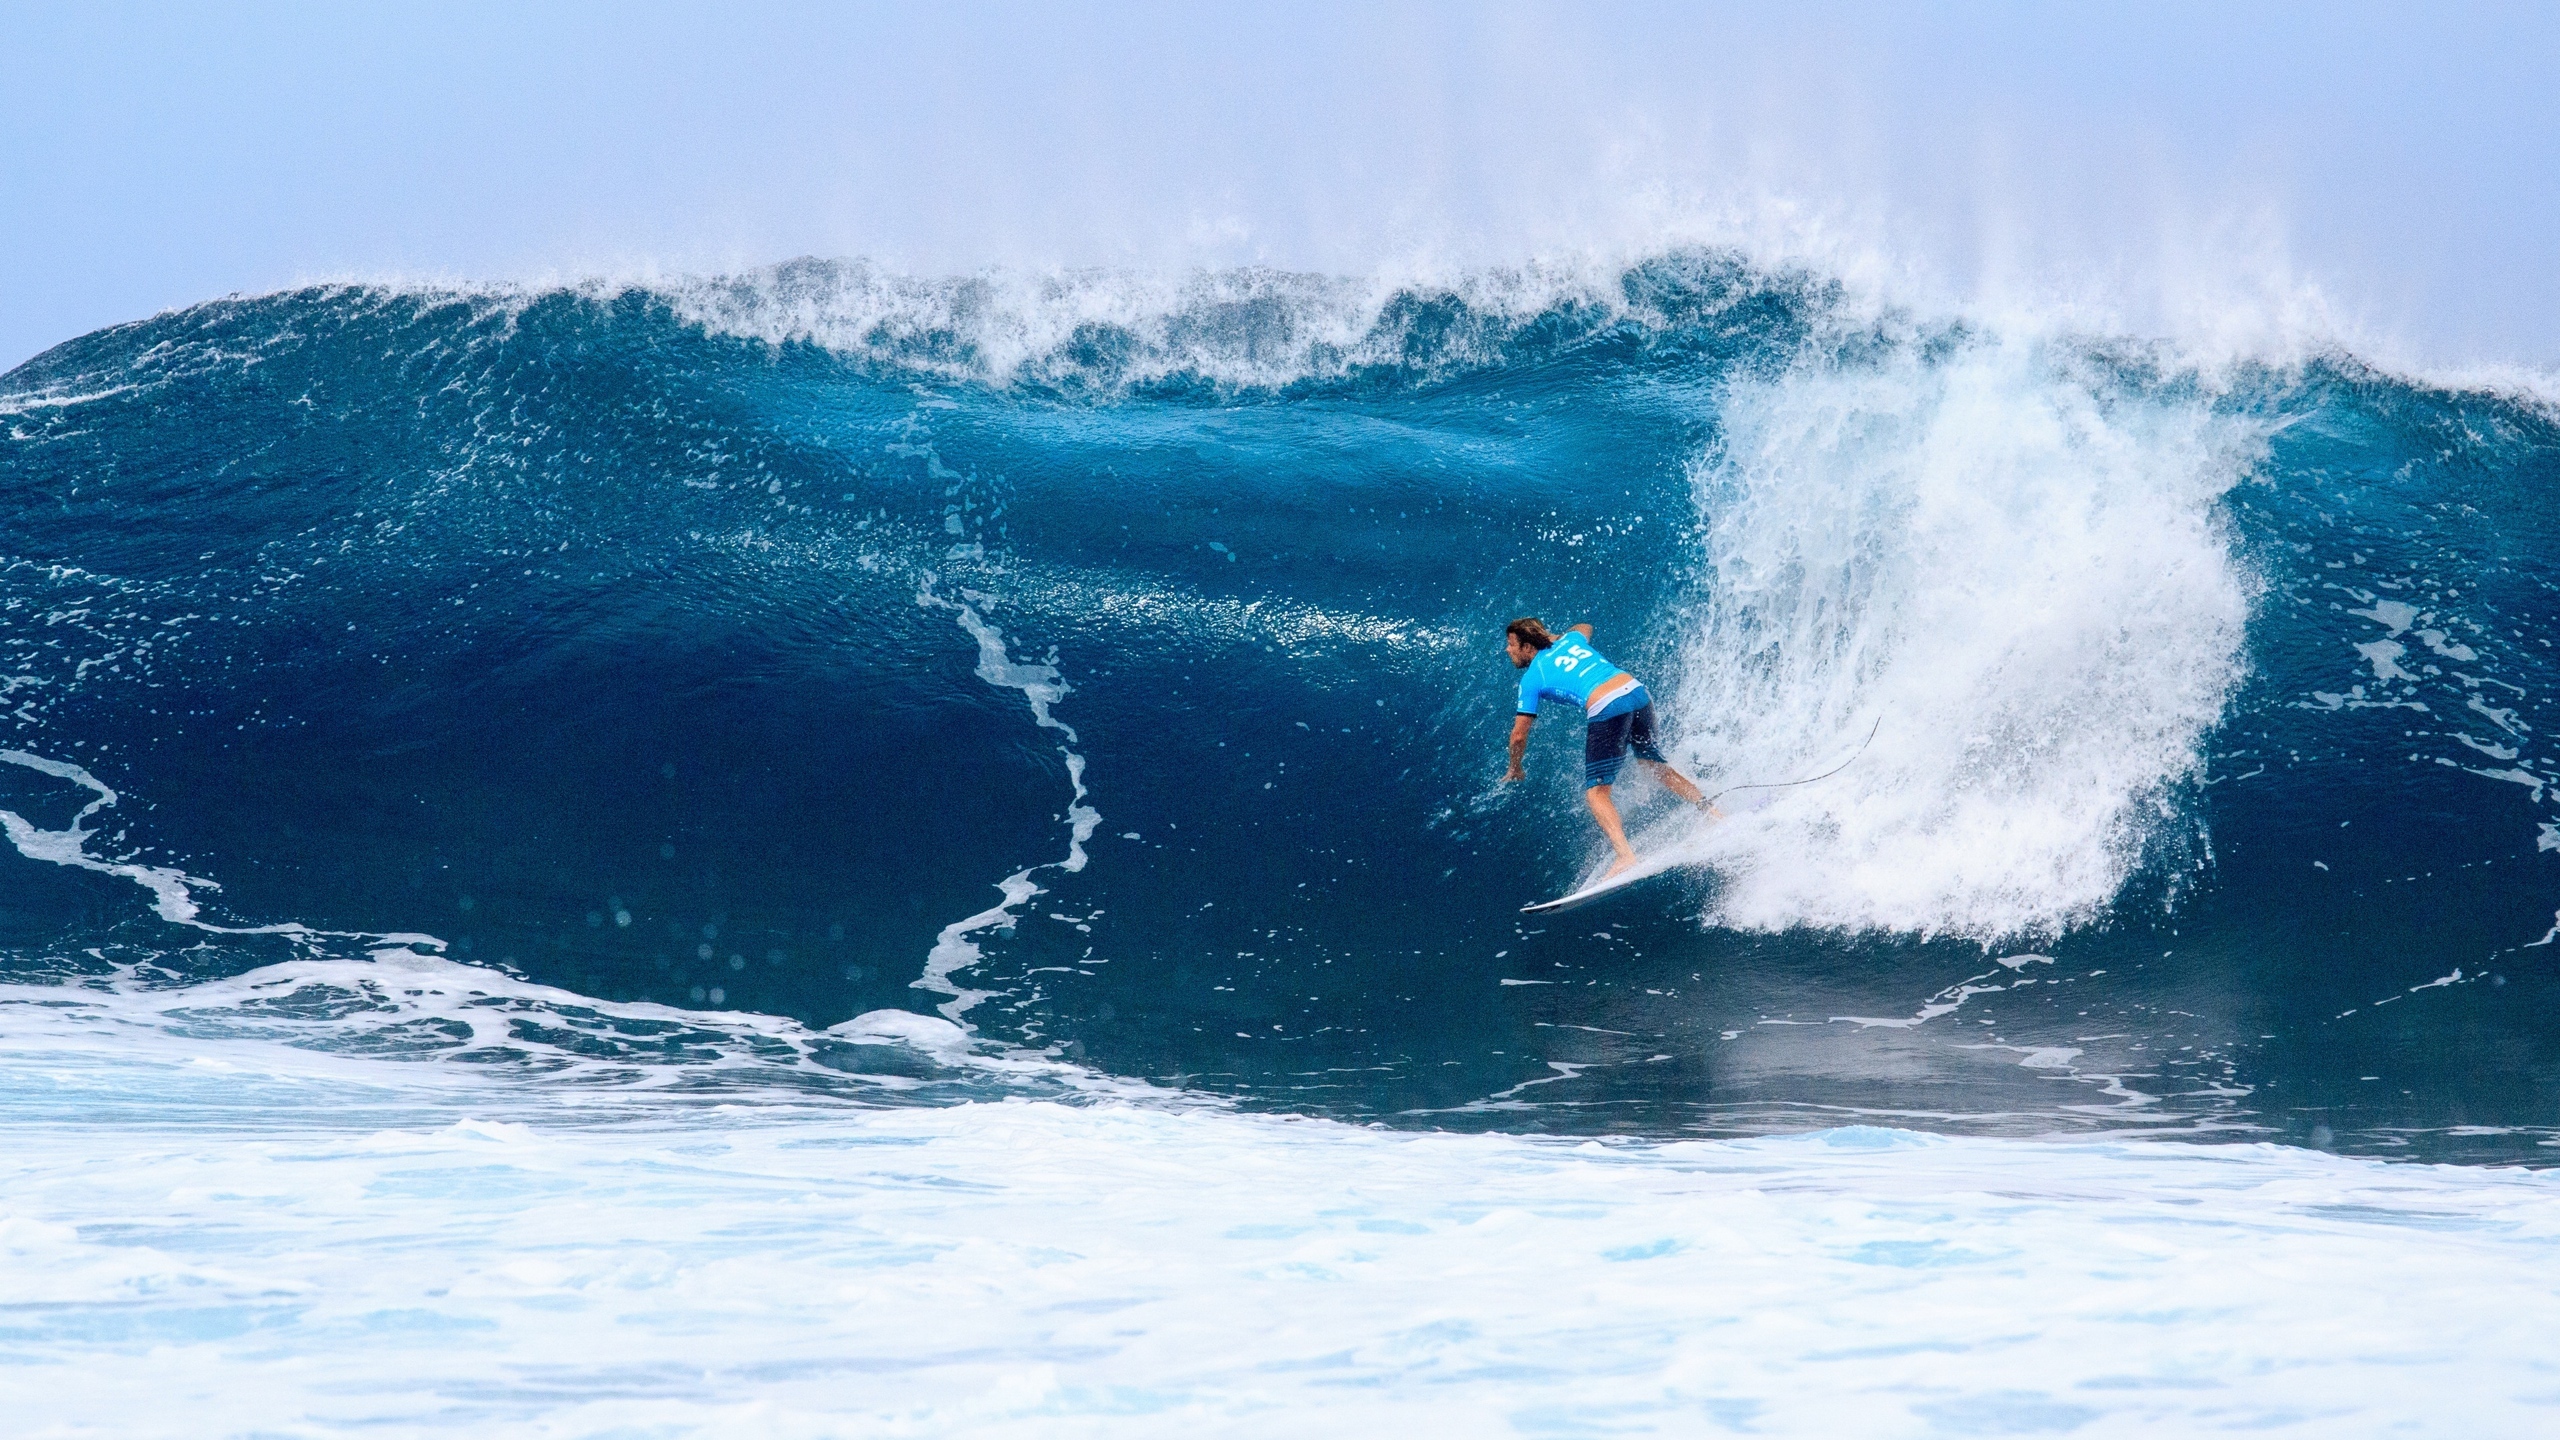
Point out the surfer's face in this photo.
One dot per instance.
(1519, 652)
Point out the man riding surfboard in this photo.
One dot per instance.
(1617, 712)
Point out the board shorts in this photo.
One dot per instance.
(1613, 733)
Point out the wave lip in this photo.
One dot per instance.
(1107, 331)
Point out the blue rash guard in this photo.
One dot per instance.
(1615, 702)
(1571, 670)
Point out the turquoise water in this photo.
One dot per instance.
(825, 852)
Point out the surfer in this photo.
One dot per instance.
(1618, 717)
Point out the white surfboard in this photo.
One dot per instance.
(1645, 868)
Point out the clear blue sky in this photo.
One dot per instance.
(2403, 159)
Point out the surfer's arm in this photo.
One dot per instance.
(1584, 627)
(1519, 745)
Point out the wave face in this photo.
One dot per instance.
(823, 681)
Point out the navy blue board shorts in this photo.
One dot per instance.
(1608, 738)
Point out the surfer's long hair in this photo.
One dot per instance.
(1531, 631)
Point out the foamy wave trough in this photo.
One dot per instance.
(457, 1261)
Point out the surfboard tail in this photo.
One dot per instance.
(1607, 884)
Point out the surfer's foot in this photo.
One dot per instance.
(1623, 863)
(1710, 807)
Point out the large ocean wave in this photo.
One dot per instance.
(712, 672)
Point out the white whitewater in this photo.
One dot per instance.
(2020, 573)
(205, 1238)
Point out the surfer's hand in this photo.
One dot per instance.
(1516, 773)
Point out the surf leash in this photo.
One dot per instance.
(1825, 775)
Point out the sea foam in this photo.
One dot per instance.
(2006, 569)
(377, 1253)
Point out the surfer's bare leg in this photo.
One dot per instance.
(1682, 786)
(1605, 810)
(1673, 781)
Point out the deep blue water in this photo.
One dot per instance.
(680, 646)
